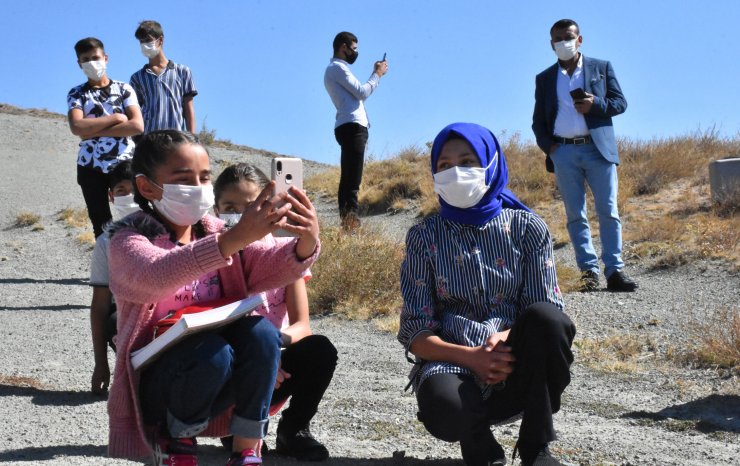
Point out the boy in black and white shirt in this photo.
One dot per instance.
(105, 114)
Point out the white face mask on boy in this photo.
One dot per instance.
(462, 187)
(124, 205)
(149, 49)
(94, 69)
(184, 205)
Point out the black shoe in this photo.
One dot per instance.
(619, 281)
(301, 445)
(535, 455)
(589, 281)
(496, 454)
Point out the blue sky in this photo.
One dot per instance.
(259, 65)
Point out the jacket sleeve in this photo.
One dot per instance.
(146, 273)
(417, 288)
(539, 117)
(613, 103)
(274, 265)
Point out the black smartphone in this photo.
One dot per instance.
(384, 54)
(578, 94)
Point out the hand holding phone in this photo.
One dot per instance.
(578, 94)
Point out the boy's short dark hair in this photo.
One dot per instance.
(343, 37)
(149, 28)
(564, 24)
(121, 172)
(87, 44)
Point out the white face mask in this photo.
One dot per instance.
(150, 49)
(94, 69)
(230, 219)
(462, 187)
(566, 49)
(185, 205)
(124, 205)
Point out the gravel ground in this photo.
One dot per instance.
(658, 413)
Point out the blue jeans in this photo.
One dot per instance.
(574, 167)
(207, 373)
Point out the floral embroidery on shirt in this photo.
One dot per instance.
(548, 262)
(500, 262)
(442, 286)
(507, 228)
(420, 282)
(459, 259)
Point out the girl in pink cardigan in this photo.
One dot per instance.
(171, 255)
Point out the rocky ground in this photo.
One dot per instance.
(653, 411)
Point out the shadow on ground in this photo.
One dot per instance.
(710, 414)
(47, 397)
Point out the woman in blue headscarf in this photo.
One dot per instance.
(482, 308)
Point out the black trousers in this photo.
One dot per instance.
(451, 405)
(310, 362)
(94, 186)
(352, 138)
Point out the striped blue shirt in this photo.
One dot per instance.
(464, 283)
(161, 96)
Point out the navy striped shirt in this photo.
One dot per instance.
(464, 283)
(161, 96)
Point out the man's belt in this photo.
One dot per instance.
(578, 141)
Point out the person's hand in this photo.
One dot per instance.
(381, 67)
(100, 379)
(263, 216)
(493, 362)
(282, 376)
(305, 222)
(583, 106)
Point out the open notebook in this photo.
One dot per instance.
(189, 324)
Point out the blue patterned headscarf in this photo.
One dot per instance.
(487, 148)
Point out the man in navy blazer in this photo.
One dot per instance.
(575, 100)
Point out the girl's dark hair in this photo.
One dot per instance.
(120, 172)
(236, 173)
(150, 153)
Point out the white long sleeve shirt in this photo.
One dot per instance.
(347, 93)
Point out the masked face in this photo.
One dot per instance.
(352, 54)
(566, 49)
(124, 205)
(184, 205)
(94, 70)
(460, 180)
(150, 49)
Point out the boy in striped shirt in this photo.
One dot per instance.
(165, 89)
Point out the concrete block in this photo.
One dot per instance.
(724, 180)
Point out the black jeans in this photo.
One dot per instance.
(94, 186)
(452, 408)
(310, 362)
(352, 138)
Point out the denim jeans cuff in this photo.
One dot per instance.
(179, 429)
(247, 427)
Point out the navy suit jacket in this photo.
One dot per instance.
(599, 80)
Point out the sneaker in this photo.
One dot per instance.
(534, 455)
(246, 457)
(170, 451)
(496, 454)
(589, 281)
(301, 445)
(619, 281)
(228, 443)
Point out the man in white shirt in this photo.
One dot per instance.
(350, 129)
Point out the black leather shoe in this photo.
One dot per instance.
(300, 445)
(589, 281)
(619, 281)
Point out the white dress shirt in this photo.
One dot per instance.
(347, 93)
(569, 123)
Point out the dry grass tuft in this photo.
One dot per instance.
(357, 276)
(74, 218)
(86, 238)
(20, 381)
(26, 219)
(568, 277)
(616, 353)
(717, 338)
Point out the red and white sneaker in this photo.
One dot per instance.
(245, 458)
(175, 451)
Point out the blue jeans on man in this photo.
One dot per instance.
(576, 165)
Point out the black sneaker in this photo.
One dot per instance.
(301, 445)
(589, 281)
(534, 455)
(619, 281)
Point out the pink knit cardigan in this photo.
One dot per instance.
(147, 267)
